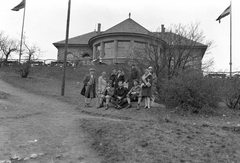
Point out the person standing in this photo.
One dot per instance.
(153, 75)
(113, 77)
(102, 84)
(154, 83)
(89, 87)
(120, 77)
(146, 85)
(134, 74)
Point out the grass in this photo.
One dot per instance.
(48, 80)
(154, 136)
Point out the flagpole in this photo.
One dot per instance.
(230, 39)
(20, 53)
(66, 49)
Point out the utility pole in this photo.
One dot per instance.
(66, 49)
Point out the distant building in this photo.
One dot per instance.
(115, 45)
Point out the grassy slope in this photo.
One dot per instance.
(48, 80)
(140, 136)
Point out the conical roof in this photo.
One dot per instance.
(127, 26)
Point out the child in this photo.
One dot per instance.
(109, 93)
(134, 94)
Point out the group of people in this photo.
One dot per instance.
(117, 90)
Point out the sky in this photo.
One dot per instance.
(45, 22)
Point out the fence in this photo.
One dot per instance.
(46, 62)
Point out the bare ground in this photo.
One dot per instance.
(32, 124)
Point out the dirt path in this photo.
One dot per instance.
(32, 125)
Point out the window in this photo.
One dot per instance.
(109, 50)
(123, 48)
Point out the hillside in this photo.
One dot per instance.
(157, 135)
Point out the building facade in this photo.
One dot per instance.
(118, 44)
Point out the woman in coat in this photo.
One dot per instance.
(146, 85)
(102, 84)
(89, 88)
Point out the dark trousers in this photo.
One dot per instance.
(121, 102)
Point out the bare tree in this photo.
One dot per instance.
(171, 52)
(30, 51)
(7, 46)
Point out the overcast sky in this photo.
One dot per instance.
(46, 21)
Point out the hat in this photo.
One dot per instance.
(91, 69)
(136, 80)
(150, 67)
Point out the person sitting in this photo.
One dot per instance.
(109, 93)
(120, 95)
(134, 94)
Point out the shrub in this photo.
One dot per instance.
(189, 91)
(231, 93)
(24, 70)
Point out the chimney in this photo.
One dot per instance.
(163, 29)
(99, 28)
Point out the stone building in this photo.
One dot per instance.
(118, 44)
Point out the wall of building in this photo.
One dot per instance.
(76, 52)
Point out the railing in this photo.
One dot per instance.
(222, 75)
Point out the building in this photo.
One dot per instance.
(118, 44)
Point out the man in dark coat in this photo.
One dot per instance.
(120, 95)
(120, 77)
(113, 77)
(134, 74)
(89, 87)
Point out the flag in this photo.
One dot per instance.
(225, 13)
(19, 6)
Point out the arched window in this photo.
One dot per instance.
(70, 56)
(85, 55)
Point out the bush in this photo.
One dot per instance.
(231, 93)
(24, 70)
(189, 91)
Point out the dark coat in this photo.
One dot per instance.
(121, 91)
(147, 91)
(90, 90)
(113, 79)
(132, 76)
(119, 78)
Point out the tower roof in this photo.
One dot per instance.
(127, 26)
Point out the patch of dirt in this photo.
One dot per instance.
(160, 143)
(21, 116)
(4, 96)
(234, 129)
(40, 129)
